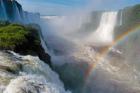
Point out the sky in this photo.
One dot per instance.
(60, 7)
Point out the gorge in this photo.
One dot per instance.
(96, 52)
(90, 51)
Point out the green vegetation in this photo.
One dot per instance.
(13, 35)
(21, 39)
(131, 15)
(131, 18)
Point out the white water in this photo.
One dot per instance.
(32, 75)
(33, 84)
(104, 35)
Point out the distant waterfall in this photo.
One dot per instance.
(26, 17)
(3, 13)
(104, 33)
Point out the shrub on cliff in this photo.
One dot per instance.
(13, 35)
(22, 39)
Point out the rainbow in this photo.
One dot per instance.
(105, 51)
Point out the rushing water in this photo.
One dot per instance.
(27, 74)
(92, 61)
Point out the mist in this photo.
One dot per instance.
(75, 43)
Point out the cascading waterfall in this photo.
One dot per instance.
(3, 11)
(17, 13)
(104, 33)
(11, 11)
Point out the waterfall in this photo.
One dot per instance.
(104, 33)
(17, 16)
(3, 11)
(11, 10)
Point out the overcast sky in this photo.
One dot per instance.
(60, 7)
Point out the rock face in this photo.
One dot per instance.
(12, 11)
